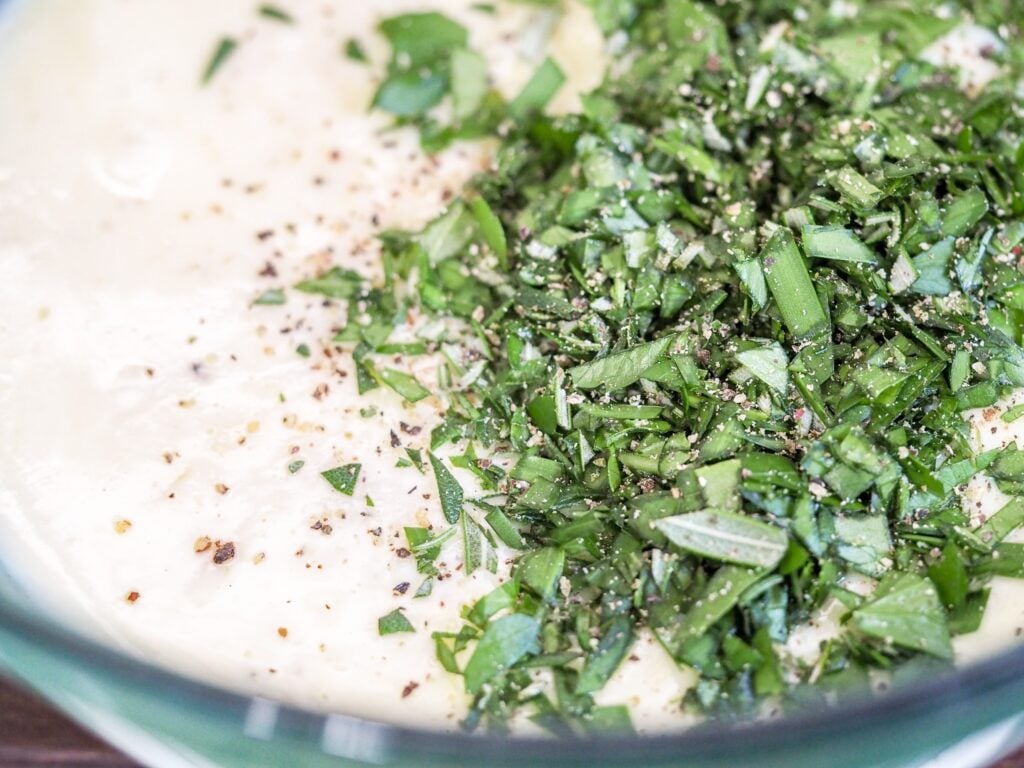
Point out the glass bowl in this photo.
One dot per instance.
(965, 718)
(961, 719)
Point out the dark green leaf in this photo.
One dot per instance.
(727, 536)
(448, 489)
(276, 14)
(790, 285)
(225, 48)
(621, 369)
(905, 611)
(343, 479)
(504, 642)
(393, 623)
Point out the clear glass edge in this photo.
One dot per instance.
(997, 682)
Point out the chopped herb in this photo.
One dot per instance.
(448, 489)
(225, 48)
(394, 623)
(354, 51)
(621, 369)
(336, 283)
(905, 611)
(276, 14)
(431, 61)
(540, 89)
(402, 383)
(728, 537)
(302, 350)
(295, 466)
(730, 331)
(1012, 414)
(343, 479)
(504, 642)
(271, 297)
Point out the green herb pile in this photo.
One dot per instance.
(729, 319)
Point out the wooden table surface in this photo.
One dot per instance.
(32, 735)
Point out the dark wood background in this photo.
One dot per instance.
(32, 735)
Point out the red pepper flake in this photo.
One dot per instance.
(132, 596)
(282, 631)
(407, 691)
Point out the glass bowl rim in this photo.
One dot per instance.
(997, 673)
(971, 683)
